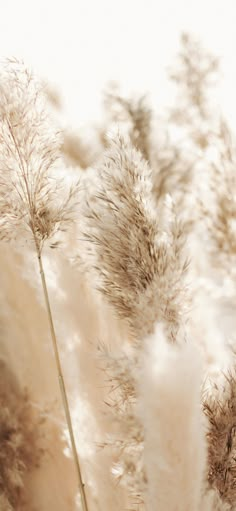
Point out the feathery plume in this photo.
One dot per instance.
(138, 113)
(136, 251)
(28, 191)
(174, 429)
(126, 441)
(220, 408)
(219, 213)
(30, 197)
(195, 72)
(19, 448)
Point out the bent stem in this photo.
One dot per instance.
(61, 379)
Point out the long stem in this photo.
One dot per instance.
(61, 379)
(24, 175)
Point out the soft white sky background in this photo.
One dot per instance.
(81, 44)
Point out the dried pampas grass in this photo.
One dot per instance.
(20, 451)
(127, 281)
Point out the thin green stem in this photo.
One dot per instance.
(61, 378)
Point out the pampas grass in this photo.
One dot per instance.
(28, 196)
(174, 426)
(19, 442)
(139, 271)
(127, 281)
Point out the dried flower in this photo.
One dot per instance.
(174, 429)
(19, 447)
(136, 251)
(30, 195)
(138, 113)
(220, 408)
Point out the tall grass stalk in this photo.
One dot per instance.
(61, 377)
(28, 150)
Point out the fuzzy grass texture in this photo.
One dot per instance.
(19, 439)
(122, 279)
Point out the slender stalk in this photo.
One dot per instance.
(29, 197)
(61, 379)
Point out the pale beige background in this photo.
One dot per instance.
(81, 44)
